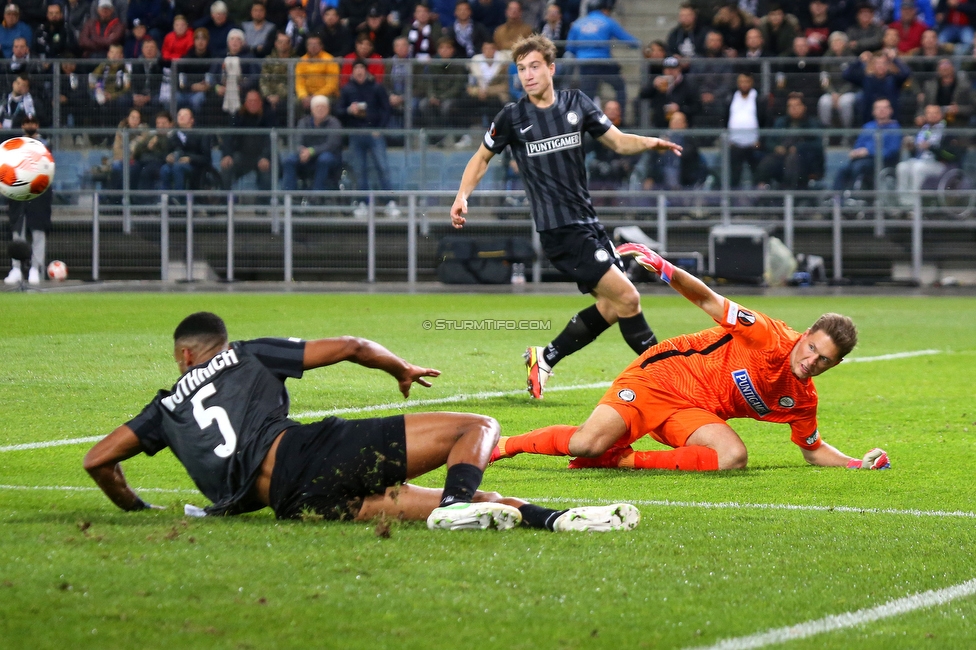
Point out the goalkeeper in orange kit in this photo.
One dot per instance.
(682, 391)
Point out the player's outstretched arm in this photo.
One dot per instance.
(474, 171)
(102, 463)
(628, 144)
(325, 352)
(829, 456)
(681, 281)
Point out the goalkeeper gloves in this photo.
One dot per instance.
(649, 260)
(875, 459)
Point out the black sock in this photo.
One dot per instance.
(535, 516)
(637, 333)
(461, 483)
(581, 330)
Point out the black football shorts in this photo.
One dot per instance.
(329, 467)
(582, 251)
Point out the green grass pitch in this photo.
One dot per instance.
(76, 572)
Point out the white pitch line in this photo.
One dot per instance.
(452, 399)
(78, 488)
(848, 619)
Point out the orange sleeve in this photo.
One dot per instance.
(752, 328)
(805, 433)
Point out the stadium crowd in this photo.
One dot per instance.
(840, 63)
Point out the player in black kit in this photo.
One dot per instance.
(226, 420)
(545, 132)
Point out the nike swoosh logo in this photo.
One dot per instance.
(525, 129)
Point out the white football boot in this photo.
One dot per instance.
(474, 516)
(14, 277)
(33, 276)
(619, 516)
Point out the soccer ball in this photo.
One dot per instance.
(57, 270)
(26, 168)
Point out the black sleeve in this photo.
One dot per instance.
(148, 427)
(499, 134)
(283, 357)
(594, 121)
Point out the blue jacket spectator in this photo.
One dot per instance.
(890, 142)
(861, 166)
(589, 39)
(924, 8)
(882, 80)
(11, 28)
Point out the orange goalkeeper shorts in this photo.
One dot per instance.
(647, 409)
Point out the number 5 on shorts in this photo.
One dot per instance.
(206, 416)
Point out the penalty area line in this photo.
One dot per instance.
(846, 620)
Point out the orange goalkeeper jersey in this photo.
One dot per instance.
(740, 369)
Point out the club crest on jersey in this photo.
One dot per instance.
(572, 117)
(601, 255)
(744, 383)
(787, 402)
(747, 318)
(627, 395)
(814, 437)
(550, 145)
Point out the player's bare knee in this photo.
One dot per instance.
(733, 457)
(587, 446)
(627, 303)
(490, 428)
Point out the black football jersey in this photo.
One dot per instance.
(221, 418)
(547, 144)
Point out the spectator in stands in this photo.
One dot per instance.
(878, 76)
(491, 14)
(354, 12)
(195, 77)
(380, 32)
(534, 11)
(76, 15)
(120, 7)
(657, 51)
(746, 115)
(18, 103)
(317, 73)
(924, 9)
(956, 19)
(238, 73)
(669, 93)
(155, 15)
(134, 36)
(929, 158)
(149, 155)
(194, 10)
(33, 13)
(319, 155)
(422, 33)
(396, 80)
(101, 32)
(779, 29)
(336, 37)
(364, 106)
(298, 29)
(487, 85)
(258, 32)
(756, 45)
(910, 29)
(687, 39)
(53, 38)
(860, 166)
(589, 40)
(733, 23)
(110, 84)
(146, 77)
(555, 28)
(839, 94)
(668, 170)
(445, 84)
(189, 154)
(243, 153)
(931, 47)
(513, 28)
(794, 159)
(815, 24)
(179, 41)
(74, 98)
(274, 77)
(12, 28)
(122, 154)
(607, 170)
(364, 51)
(277, 13)
(20, 61)
(218, 25)
(714, 77)
(866, 35)
(800, 75)
(468, 34)
(950, 90)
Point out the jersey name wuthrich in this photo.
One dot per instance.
(547, 145)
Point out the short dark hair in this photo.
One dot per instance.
(534, 43)
(164, 114)
(795, 95)
(203, 327)
(840, 329)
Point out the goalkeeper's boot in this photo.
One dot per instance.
(610, 459)
(499, 450)
(474, 516)
(619, 516)
(538, 371)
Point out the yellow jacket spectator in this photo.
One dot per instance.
(316, 73)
